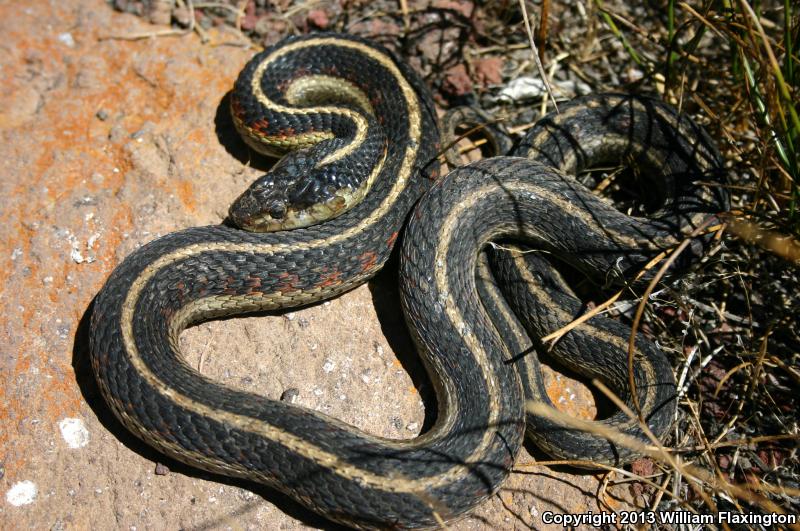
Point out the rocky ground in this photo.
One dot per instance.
(109, 143)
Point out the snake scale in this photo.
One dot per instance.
(361, 126)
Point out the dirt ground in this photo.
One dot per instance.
(108, 144)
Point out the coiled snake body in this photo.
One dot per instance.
(363, 121)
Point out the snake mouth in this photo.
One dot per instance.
(248, 214)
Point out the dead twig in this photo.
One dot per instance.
(174, 32)
(538, 62)
(643, 302)
(784, 246)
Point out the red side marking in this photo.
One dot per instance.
(253, 285)
(228, 289)
(368, 261)
(181, 292)
(288, 282)
(164, 429)
(392, 239)
(236, 109)
(331, 279)
(261, 125)
(433, 174)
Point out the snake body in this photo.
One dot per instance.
(207, 272)
(672, 156)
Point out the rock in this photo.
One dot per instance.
(318, 18)
(182, 16)
(160, 11)
(457, 81)
(461, 6)
(437, 44)
(489, 71)
(270, 27)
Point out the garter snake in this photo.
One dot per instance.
(348, 105)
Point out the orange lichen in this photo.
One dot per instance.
(568, 395)
(186, 194)
(68, 153)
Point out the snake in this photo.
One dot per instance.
(357, 131)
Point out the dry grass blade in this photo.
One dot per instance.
(406, 15)
(701, 18)
(728, 375)
(541, 32)
(621, 471)
(554, 336)
(784, 246)
(744, 442)
(536, 58)
(700, 477)
(776, 68)
(162, 33)
(643, 302)
(451, 142)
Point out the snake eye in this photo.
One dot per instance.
(277, 211)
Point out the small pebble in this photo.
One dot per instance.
(262, 26)
(290, 395)
(22, 493)
(161, 470)
(318, 18)
(182, 16)
(67, 39)
(74, 431)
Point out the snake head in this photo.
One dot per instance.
(263, 205)
(293, 194)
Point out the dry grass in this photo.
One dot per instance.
(738, 68)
